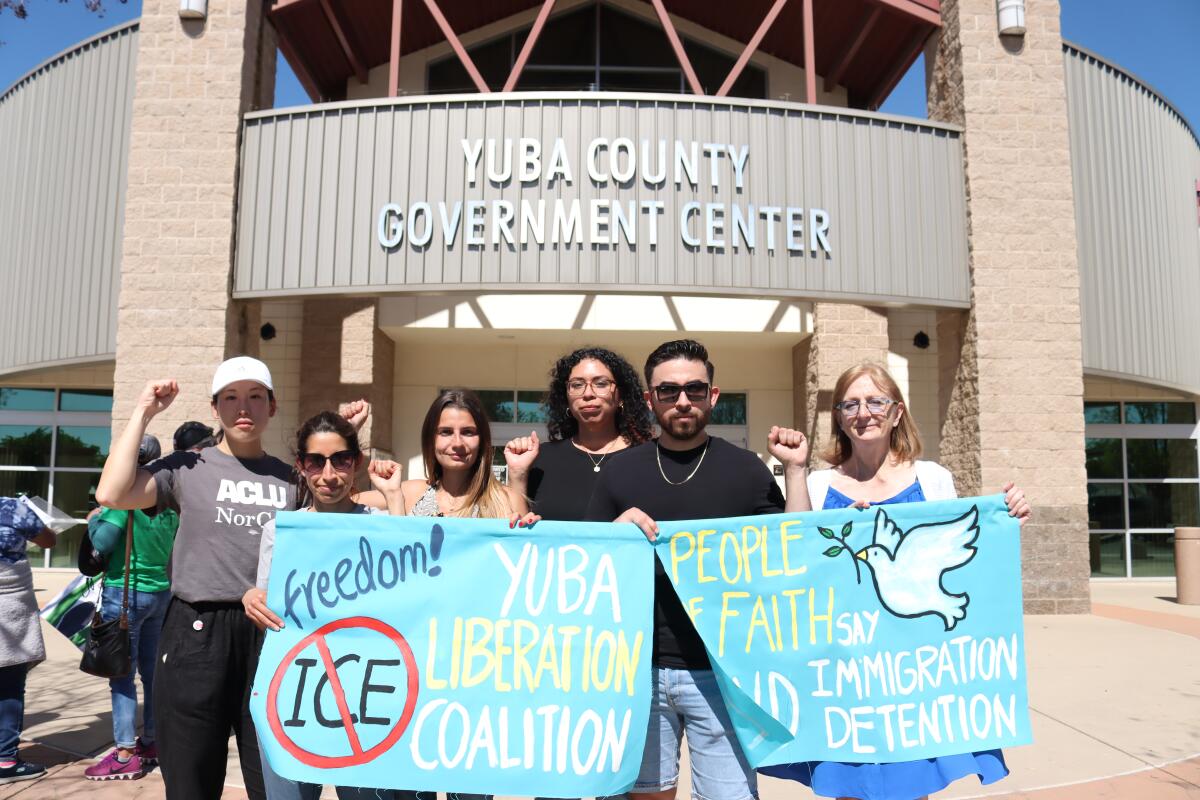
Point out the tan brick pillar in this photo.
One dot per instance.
(346, 357)
(194, 81)
(843, 335)
(1014, 410)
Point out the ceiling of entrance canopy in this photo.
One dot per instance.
(863, 45)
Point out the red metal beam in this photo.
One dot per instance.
(916, 9)
(457, 45)
(527, 48)
(677, 46)
(343, 37)
(885, 88)
(843, 61)
(810, 56)
(394, 52)
(750, 48)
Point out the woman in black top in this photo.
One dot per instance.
(596, 409)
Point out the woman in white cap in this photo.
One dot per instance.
(208, 649)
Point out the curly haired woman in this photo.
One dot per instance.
(596, 409)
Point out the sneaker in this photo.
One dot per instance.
(110, 769)
(21, 771)
(148, 753)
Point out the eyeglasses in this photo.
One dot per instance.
(314, 463)
(669, 392)
(601, 387)
(875, 406)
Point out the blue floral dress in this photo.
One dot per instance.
(904, 780)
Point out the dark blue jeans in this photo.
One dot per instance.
(12, 709)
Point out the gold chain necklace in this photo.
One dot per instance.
(692, 474)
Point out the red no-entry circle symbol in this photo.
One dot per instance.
(357, 754)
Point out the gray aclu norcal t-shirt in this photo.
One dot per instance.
(223, 503)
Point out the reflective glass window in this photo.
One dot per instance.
(1102, 413)
(1152, 555)
(82, 446)
(26, 399)
(85, 400)
(1103, 458)
(1106, 551)
(24, 446)
(1160, 413)
(1163, 505)
(1159, 458)
(1106, 506)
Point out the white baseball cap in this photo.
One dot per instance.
(241, 368)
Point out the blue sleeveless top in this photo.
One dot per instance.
(903, 780)
(909, 494)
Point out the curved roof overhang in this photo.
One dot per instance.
(864, 45)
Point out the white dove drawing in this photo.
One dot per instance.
(908, 568)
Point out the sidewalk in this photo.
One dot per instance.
(1115, 700)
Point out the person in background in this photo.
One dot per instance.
(193, 435)
(153, 536)
(875, 451)
(596, 410)
(21, 645)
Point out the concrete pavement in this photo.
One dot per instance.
(1115, 700)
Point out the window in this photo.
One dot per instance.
(53, 443)
(1143, 473)
(596, 48)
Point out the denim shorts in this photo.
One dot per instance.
(688, 702)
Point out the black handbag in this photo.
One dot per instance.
(106, 652)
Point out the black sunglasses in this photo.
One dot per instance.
(669, 392)
(342, 461)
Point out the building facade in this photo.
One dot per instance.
(478, 188)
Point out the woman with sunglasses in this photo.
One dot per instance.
(327, 457)
(875, 449)
(596, 410)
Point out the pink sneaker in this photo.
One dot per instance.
(110, 769)
(148, 753)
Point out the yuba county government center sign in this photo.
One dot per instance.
(601, 192)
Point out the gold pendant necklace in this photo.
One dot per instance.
(603, 455)
(692, 474)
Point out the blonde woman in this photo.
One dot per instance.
(875, 450)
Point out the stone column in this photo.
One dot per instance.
(1014, 410)
(346, 357)
(843, 335)
(194, 81)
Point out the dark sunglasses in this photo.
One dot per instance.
(669, 392)
(342, 461)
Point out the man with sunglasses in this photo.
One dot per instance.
(687, 474)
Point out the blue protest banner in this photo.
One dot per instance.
(886, 634)
(456, 655)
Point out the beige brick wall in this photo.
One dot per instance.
(283, 355)
(1015, 410)
(194, 81)
(843, 335)
(350, 359)
(916, 370)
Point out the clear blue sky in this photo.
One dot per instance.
(1160, 46)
